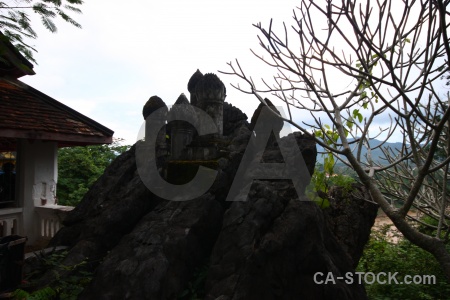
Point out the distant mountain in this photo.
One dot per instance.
(377, 154)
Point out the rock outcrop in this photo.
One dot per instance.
(268, 247)
(349, 217)
(271, 246)
(157, 259)
(111, 208)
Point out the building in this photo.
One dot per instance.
(32, 128)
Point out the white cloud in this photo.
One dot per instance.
(126, 53)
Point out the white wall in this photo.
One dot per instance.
(37, 170)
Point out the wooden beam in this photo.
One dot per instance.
(57, 137)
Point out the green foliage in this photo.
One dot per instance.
(41, 294)
(403, 257)
(318, 186)
(429, 227)
(16, 25)
(323, 179)
(329, 135)
(357, 115)
(66, 287)
(80, 167)
(365, 84)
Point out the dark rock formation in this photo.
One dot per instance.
(233, 119)
(267, 120)
(152, 104)
(111, 208)
(257, 114)
(157, 259)
(271, 246)
(182, 99)
(305, 143)
(351, 216)
(181, 132)
(195, 78)
(210, 94)
(268, 247)
(209, 87)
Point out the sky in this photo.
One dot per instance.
(126, 53)
(129, 51)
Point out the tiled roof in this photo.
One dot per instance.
(12, 62)
(28, 113)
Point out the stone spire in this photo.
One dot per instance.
(151, 105)
(181, 132)
(268, 119)
(195, 78)
(210, 94)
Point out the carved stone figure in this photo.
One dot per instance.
(211, 93)
(153, 104)
(181, 132)
(268, 247)
(195, 78)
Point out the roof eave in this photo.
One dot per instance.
(63, 138)
(20, 66)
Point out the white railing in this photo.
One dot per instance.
(50, 219)
(9, 221)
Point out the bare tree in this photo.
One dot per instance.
(352, 63)
(432, 197)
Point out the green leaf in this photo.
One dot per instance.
(329, 164)
(357, 115)
(16, 23)
(72, 8)
(319, 133)
(361, 86)
(48, 23)
(335, 136)
(349, 124)
(323, 203)
(363, 95)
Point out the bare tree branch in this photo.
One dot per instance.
(352, 63)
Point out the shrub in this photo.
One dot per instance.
(381, 255)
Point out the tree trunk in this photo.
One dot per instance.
(431, 244)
